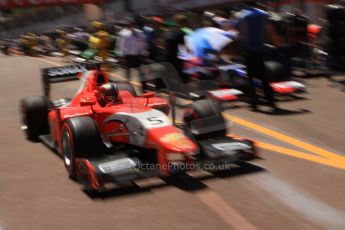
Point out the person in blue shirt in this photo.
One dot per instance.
(253, 31)
(153, 33)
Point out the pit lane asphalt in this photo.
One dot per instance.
(280, 192)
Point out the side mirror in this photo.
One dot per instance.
(87, 101)
(148, 94)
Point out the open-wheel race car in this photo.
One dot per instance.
(164, 77)
(234, 76)
(107, 133)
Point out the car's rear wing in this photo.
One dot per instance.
(62, 74)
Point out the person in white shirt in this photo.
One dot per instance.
(131, 46)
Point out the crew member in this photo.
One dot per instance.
(132, 47)
(175, 39)
(253, 28)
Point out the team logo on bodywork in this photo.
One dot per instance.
(66, 70)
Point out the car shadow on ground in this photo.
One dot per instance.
(117, 192)
(339, 84)
(284, 112)
(268, 111)
(182, 181)
(292, 98)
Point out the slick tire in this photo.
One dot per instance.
(34, 111)
(203, 109)
(80, 138)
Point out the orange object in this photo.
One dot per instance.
(157, 19)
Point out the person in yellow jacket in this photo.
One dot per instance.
(62, 42)
(103, 44)
(29, 42)
(100, 40)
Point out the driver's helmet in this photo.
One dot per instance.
(108, 93)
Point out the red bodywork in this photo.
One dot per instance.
(154, 129)
(287, 87)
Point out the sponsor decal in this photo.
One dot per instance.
(225, 92)
(117, 165)
(234, 146)
(67, 70)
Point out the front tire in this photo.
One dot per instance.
(80, 138)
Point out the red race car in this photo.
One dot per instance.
(107, 133)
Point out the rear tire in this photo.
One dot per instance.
(80, 139)
(200, 109)
(34, 111)
(203, 109)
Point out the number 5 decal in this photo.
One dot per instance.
(155, 120)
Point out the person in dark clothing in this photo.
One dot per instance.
(253, 27)
(175, 38)
(153, 35)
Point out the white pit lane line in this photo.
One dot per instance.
(224, 210)
(303, 203)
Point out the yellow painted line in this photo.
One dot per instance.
(294, 153)
(301, 155)
(297, 154)
(288, 139)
